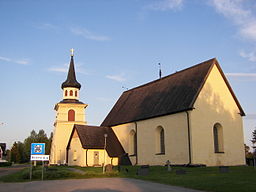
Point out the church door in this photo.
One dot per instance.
(96, 158)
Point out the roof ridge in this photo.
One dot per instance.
(172, 74)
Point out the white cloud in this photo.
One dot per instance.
(58, 69)
(236, 10)
(48, 26)
(20, 61)
(249, 30)
(231, 8)
(251, 56)
(164, 5)
(243, 15)
(119, 78)
(64, 68)
(5, 59)
(88, 34)
(240, 74)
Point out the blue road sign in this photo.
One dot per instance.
(37, 148)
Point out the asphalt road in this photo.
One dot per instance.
(91, 185)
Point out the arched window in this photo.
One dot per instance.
(71, 115)
(70, 93)
(66, 93)
(160, 141)
(162, 145)
(132, 143)
(218, 138)
(76, 93)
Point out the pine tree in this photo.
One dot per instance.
(253, 137)
(20, 152)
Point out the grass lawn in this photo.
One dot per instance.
(238, 179)
(204, 178)
(57, 172)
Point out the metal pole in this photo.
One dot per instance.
(105, 136)
(42, 170)
(30, 174)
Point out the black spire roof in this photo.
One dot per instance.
(71, 78)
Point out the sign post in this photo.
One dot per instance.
(38, 154)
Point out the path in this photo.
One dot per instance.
(12, 169)
(91, 185)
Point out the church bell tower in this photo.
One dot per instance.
(69, 111)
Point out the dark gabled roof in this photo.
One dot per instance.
(171, 94)
(92, 137)
(71, 78)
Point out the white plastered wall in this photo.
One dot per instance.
(176, 139)
(78, 156)
(215, 104)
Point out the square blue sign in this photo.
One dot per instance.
(37, 148)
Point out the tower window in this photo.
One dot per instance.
(66, 93)
(71, 115)
(76, 93)
(70, 93)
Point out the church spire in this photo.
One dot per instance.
(71, 78)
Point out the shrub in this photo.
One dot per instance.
(5, 164)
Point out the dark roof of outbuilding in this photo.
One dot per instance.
(71, 78)
(92, 137)
(171, 94)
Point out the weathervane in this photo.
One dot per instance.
(72, 52)
(160, 71)
(125, 88)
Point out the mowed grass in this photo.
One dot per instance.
(57, 172)
(238, 179)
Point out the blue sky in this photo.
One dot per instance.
(118, 43)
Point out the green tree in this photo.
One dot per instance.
(27, 143)
(253, 137)
(20, 152)
(14, 152)
(17, 152)
(254, 142)
(248, 154)
(49, 144)
(40, 137)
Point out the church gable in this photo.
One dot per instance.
(216, 123)
(74, 140)
(217, 93)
